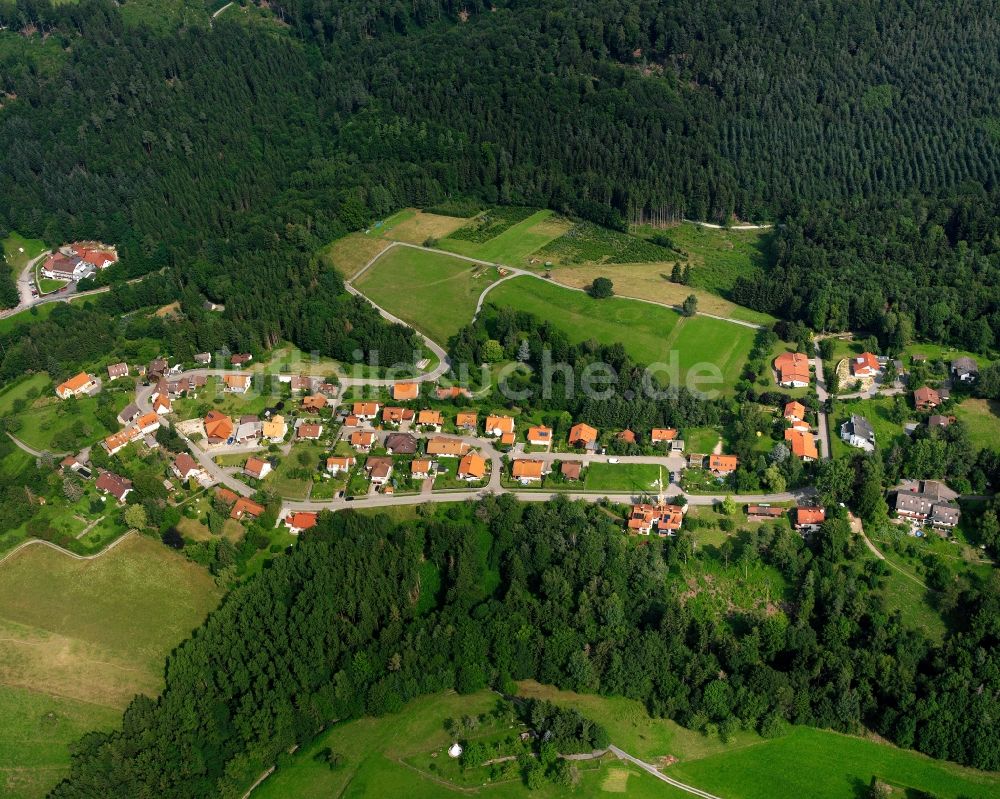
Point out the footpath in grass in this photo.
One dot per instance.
(81, 638)
(650, 333)
(433, 292)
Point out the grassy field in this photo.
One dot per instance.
(80, 639)
(640, 477)
(48, 285)
(718, 257)
(352, 252)
(751, 767)
(404, 754)
(701, 440)
(588, 243)
(435, 293)
(982, 418)
(14, 243)
(50, 423)
(513, 245)
(651, 334)
(415, 227)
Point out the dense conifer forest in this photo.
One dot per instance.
(193, 149)
(551, 592)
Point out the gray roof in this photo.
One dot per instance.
(402, 443)
(861, 427)
(946, 515)
(129, 412)
(965, 365)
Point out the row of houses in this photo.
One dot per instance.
(805, 519)
(144, 427)
(927, 502)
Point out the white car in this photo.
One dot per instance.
(614, 460)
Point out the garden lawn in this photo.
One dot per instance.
(517, 243)
(876, 411)
(433, 292)
(81, 638)
(613, 477)
(982, 419)
(650, 333)
(48, 286)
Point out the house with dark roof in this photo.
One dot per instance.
(926, 398)
(857, 432)
(113, 484)
(965, 369)
(401, 444)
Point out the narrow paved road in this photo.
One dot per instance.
(32, 451)
(651, 769)
(40, 542)
(822, 396)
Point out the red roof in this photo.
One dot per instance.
(809, 516)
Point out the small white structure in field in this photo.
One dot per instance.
(455, 750)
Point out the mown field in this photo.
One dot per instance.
(81, 638)
(14, 243)
(404, 754)
(651, 334)
(434, 293)
(982, 418)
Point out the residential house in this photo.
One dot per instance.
(420, 469)
(467, 420)
(245, 507)
(571, 470)
(508, 439)
(431, 419)
(240, 358)
(226, 496)
(157, 368)
(99, 256)
(663, 519)
(72, 463)
(802, 443)
(335, 464)
(186, 468)
(452, 392)
(300, 383)
(499, 425)
(401, 392)
(117, 370)
(939, 420)
(148, 423)
(129, 413)
(118, 441)
(203, 358)
(379, 470)
(365, 411)
(865, 365)
(582, 435)
(927, 501)
(763, 513)
(308, 431)
(539, 436)
(926, 398)
(113, 484)
(78, 385)
(792, 369)
(300, 522)
(722, 465)
(218, 427)
(274, 429)
(161, 404)
(237, 384)
(257, 468)
(392, 414)
(965, 369)
(249, 429)
(401, 444)
(362, 440)
(695, 461)
(472, 467)
(447, 447)
(857, 432)
(526, 471)
(809, 520)
(662, 435)
(314, 402)
(795, 411)
(626, 437)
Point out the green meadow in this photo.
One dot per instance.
(433, 292)
(650, 333)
